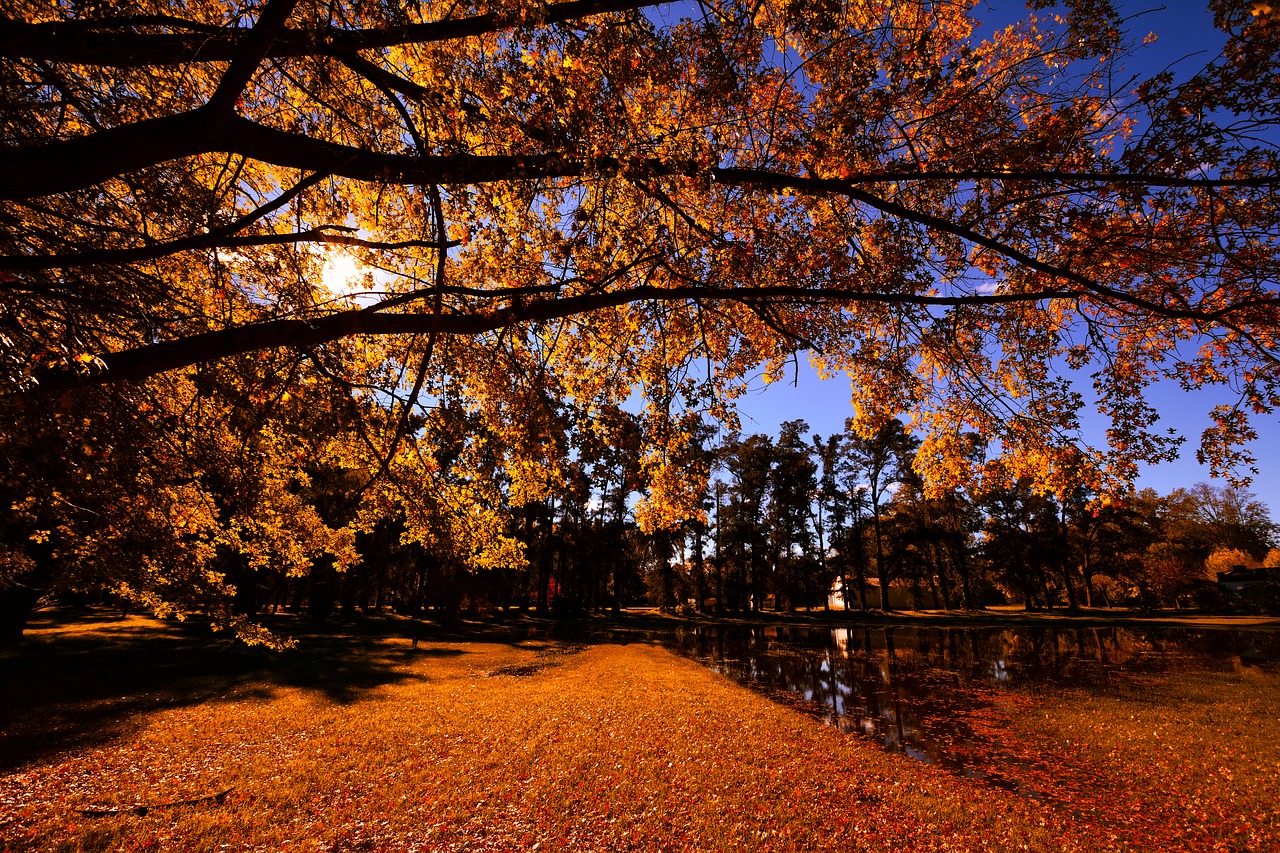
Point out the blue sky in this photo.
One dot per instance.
(1186, 39)
(824, 405)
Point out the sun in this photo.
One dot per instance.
(340, 273)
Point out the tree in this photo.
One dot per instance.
(588, 198)
(749, 464)
(1021, 538)
(919, 538)
(1207, 518)
(884, 458)
(1226, 559)
(793, 480)
(830, 515)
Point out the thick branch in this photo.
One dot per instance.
(65, 42)
(81, 162)
(141, 362)
(78, 163)
(256, 45)
(321, 234)
(73, 164)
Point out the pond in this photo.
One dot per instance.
(935, 694)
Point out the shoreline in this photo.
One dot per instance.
(504, 626)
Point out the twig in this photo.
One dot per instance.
(215, 799)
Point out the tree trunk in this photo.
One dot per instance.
(1064, 564)
(700, 569)
(962, 566)
(944, 582)
(662, 549)
(860, 564)
(17, 602)
(933, 589)
(882, 570)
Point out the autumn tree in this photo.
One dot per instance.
(584, 200)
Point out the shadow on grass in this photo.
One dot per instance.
(81, 680)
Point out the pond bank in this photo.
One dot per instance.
(997, 617)
(640, 621)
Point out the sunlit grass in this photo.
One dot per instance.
(504, 746)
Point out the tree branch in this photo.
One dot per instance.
(319, 234)
(73, 164)
(77, 163)
(250, 55)
(783, 183)
(62, 41)
(141, 362)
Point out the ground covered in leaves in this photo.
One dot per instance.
(131, 735)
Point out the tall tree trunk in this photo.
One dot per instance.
(940, 571)
(1073, 602)
(933, 586)
(662, 552)
(620, 534)
(1024, 581)
(860, 564)
(1043, 579)
(17, 602)
(962, 566)
(1086, 569)
(1064, 564)
(699, 569)
(882, 568)
(542, 591)
(819, 528)
(19, 596)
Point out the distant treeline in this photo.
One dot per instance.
(796, 521)
(800, 521)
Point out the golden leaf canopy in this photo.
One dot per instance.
(405, 240)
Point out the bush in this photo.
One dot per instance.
(1226, 559)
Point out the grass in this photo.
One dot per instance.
(1186, 761)
(359, 742)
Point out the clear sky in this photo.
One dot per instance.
(1186, 39)
(824, 405)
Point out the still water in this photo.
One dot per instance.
(930, 693)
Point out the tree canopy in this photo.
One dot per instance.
(248, 249)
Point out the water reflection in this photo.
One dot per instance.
(929, 692)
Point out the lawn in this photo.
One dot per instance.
(137, 735)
